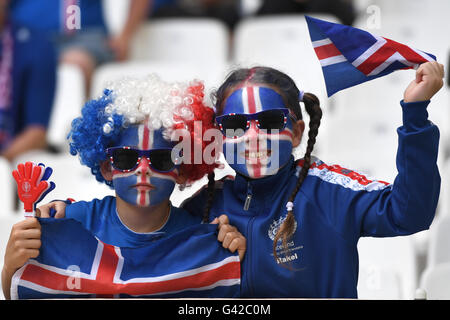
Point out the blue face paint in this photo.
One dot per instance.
(143, 186)
(257, 153)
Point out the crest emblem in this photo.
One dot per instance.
(275, 226)
(26, 186)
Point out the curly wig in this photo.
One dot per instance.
(129, 101)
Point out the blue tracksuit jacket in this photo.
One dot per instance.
(333, 209)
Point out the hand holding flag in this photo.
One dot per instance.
(428, 81)
(229, 236)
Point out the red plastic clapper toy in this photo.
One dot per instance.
(32, 184)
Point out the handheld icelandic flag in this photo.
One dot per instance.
(72, 263)
(350, 56)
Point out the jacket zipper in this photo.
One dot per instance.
(248, 198)
(249, 258)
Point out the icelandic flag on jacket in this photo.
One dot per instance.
(74, 263)
(350, 56)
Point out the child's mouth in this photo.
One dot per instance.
(143, 186)
(256, 155)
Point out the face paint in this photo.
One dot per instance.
(144, 186)
(257, 153)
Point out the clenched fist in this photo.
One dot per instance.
(429, 80)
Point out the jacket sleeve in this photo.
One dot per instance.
(409, 204)
(402, 208)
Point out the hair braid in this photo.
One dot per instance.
(312, 106)
(210, 190)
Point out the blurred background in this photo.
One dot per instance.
(52, 64)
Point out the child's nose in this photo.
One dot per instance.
(253, 132)
(143, 167)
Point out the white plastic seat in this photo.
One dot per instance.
(378, 283)
(384, 264)
(436, 282)
(362, 128)
(199, 40)
(115, 13)
(439, 241)
(69, 99)
(444, 197)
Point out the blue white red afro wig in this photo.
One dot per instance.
(129, 101)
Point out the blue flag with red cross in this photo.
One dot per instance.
(73, 263)
(350, 56)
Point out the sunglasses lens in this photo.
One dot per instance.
(234, 125)
(161, 160)
(125, 159)
(271, 120)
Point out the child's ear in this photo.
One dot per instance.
(297, 132)
(106, 170)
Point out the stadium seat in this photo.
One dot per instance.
(69, 99)
(250, 7)
(115, 13)
(7, 187)
(444, 197)
(377, 283)
(387, 268)
(439, 241)
(200, 40)
(436, 282)
(361, 129)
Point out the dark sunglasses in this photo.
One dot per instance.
(127, 159)
(234, 125)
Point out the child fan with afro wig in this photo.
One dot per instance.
(124, 137)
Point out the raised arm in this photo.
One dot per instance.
(409, 205)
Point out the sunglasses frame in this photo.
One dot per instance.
(141, 154)
(251, 116)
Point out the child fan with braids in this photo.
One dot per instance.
(302, 219)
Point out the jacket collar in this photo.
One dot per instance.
(266, 188)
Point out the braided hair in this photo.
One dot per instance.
(289, 91)
(287, 228)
